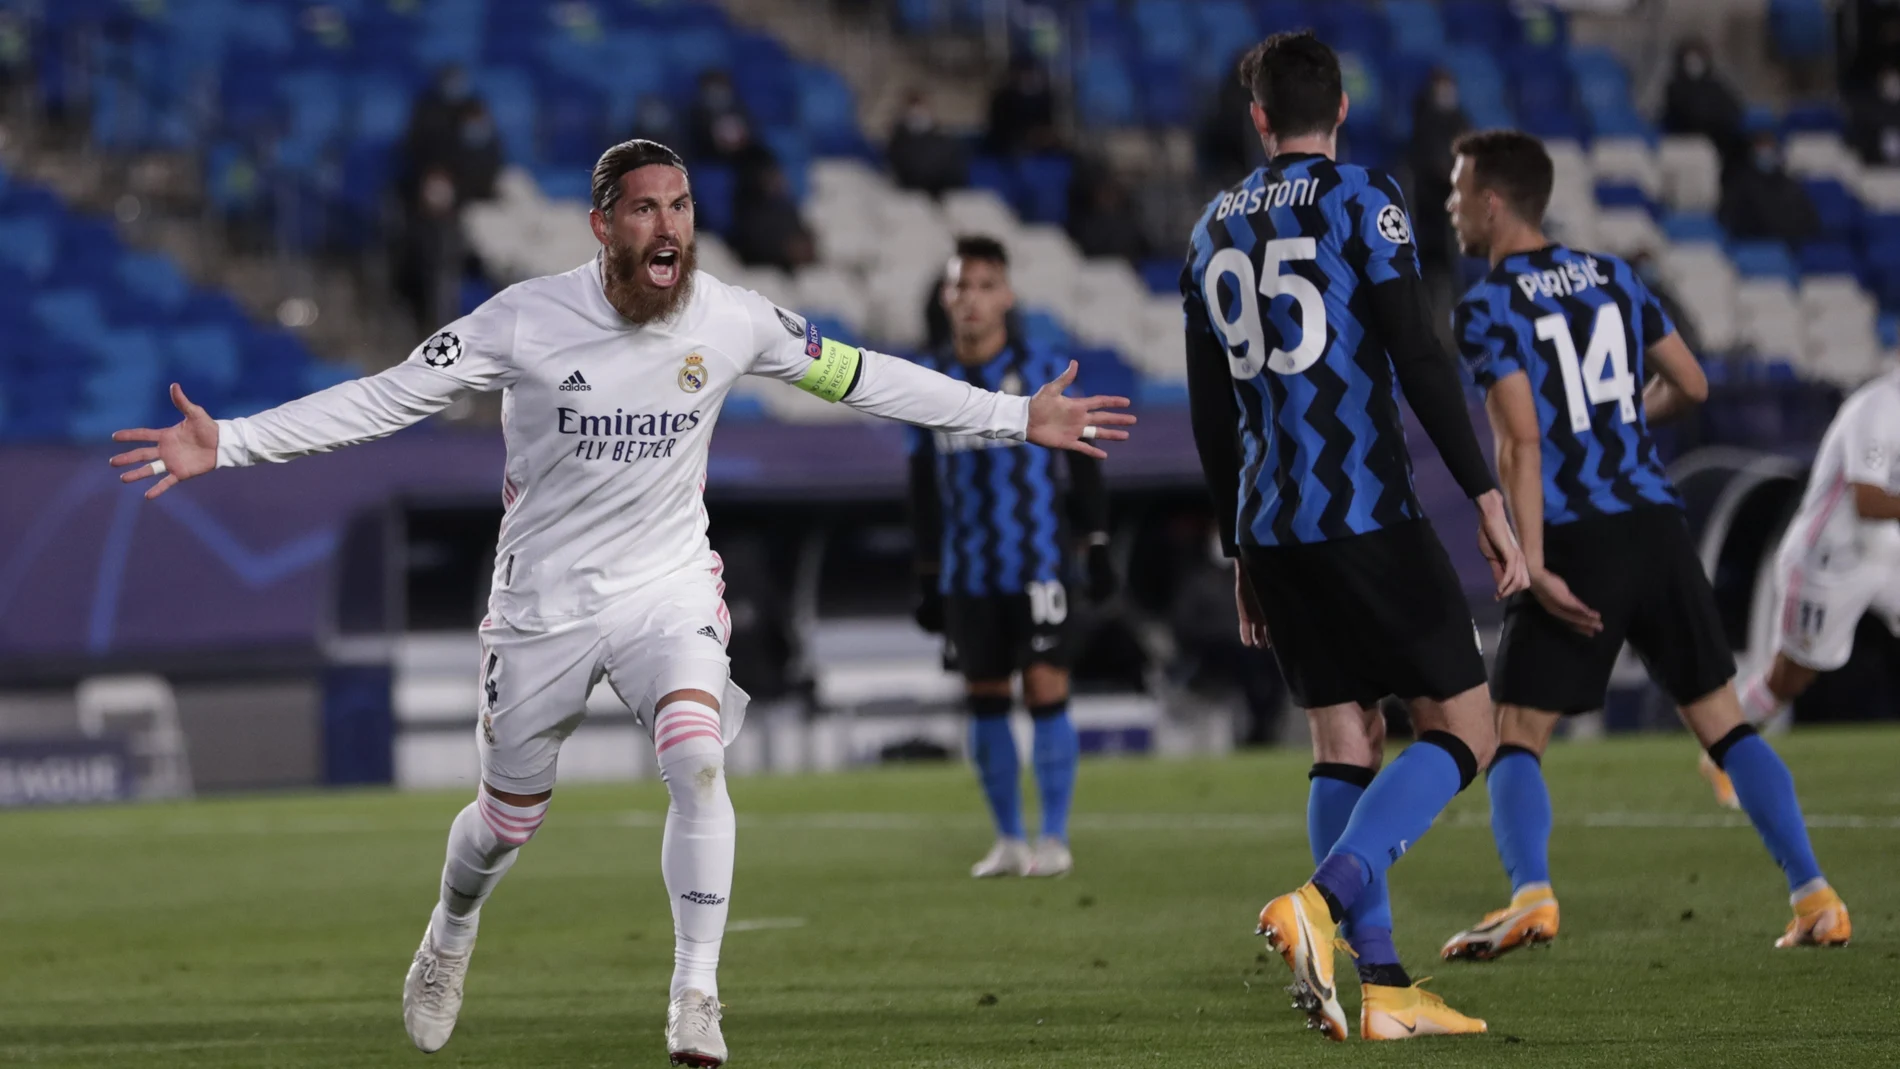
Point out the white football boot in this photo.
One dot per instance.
(432, 994)
(1050, 858)
(1009, 857)
(692, 1030)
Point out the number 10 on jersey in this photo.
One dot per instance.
(1586, 383)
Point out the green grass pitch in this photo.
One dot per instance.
(274, 931)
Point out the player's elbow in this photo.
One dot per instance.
(1874, 503)
(1695, 387)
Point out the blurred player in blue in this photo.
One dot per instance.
(1559, 339)
(994, 531)
(1305, 316)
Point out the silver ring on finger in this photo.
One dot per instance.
(1088, 432)
(158, 467)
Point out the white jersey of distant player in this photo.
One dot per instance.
(607, 425)
(1828, 535)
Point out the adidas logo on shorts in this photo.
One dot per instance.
(575, 383)
(709, 631)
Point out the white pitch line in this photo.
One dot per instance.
(1118, 823)
(765, 924)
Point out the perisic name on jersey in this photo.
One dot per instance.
(1573, 278)
(639, 436)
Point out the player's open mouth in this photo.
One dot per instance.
(664, 268)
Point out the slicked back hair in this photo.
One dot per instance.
(1514, 165)
(617, 162)
(982, 247)
(1295, 79)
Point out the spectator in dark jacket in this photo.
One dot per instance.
(717, 120)
(1697, 101)
(1227, 143)
(1103, 221)
(1876, 120)
(1023, 111)
(766, 228)
(1762, 202)
(922, 156)
(435, 121)
(1437, 119)
(476, 161)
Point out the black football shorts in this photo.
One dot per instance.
(994, 636)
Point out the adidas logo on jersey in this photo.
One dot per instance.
(575, 383)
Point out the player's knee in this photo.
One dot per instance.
(511, 818)
(691, 749)
(987, 705)
(1045, 687)
(1472, 756)
(1525, 729)
(1787, 680)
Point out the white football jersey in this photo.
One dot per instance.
(1862, 445)
(607, 424)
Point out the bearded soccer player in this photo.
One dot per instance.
(1305, 315)
(1559, 338)
(1838, 560)
(612, 376)
(993, 543)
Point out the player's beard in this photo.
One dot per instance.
(624, 279)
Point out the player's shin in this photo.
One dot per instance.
(1367, 927)
(1056, 753)
(998, 768)
(1394, 813)
(1766, 790)
(696, 851)
(1520, 815)
(484, 841)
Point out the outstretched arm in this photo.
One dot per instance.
(894, 388)
(467, 356)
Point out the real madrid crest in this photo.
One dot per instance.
(693, 375)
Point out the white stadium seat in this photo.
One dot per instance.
(1819, 154)
(979, 212)
(1627, 232)
(1770, 322)
(1691, 173)
(830, 291)
(1879, 188)
(1628, 160)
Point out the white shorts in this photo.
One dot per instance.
(669, 636)
(1818, 610)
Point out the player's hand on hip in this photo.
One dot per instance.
(1499, 545)
(1557, 599)
(1074, 422)
(1253, 622)
(182, 451)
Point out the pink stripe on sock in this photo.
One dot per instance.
(687, 718)
(512, 838)
(502, 816)
(667, 738)
(675, 740)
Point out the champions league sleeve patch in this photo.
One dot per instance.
(788, 321)
(442, 350)
(1393, 225)
(814, 342)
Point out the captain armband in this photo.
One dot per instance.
(834, 367)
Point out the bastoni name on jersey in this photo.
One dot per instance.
(625, 436)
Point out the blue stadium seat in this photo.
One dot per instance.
(1347, 25)
(1684, 227)
(1416, 26)
(1045, 188)
(28, 243)
(1105, 94)
(1816, 116)
(713, 188)
(1620, 195)
(1103, 372)
(1480, 86)
(1828, 258)
(1225, 25)
(1366, 89)
(1164, 29)
(1167, 98)
(696, 50)
(1836, 206)
(1762, 259)
(1801, 30)
(1484, 23)
(1881, 230)
(827, 111)
(510, 97)
(1162, 274)
(155, 280)
(381, 107)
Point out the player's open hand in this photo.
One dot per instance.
(1499, 545)
(182, 451)
(1253, 622)
(1557, 599)
(1074, 422)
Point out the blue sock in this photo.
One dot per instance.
(993, 749)
(1520, 815)
(1330, 801)
(1394, 813)
(1766, 791)
(1056, 753)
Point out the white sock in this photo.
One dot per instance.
(483, 842)
(1759, 704)
(696, 851)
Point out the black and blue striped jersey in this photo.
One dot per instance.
(1578, 325)
(1280, 272)
(1001, 517)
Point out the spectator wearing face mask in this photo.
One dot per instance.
(435, 122)
(653, 120)
(717, 123)
(766, 228)
(1023, 111)
(1697, 101)
(476, 161)
(1437, 119)
(1876, 120)
(922, 156)
(1762, 202)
